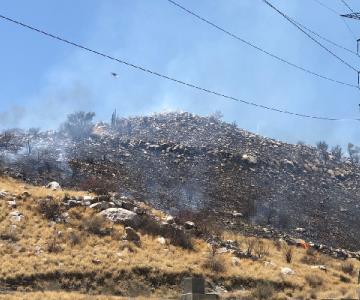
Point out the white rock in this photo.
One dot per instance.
(189, 225)
(3, 194)
(16, 216)
(249, 159)
(121, 215)
(320, 267)
(169, 219)
(53, 185)
(269, 264)
(287, 271)
(235, 261)
(161, 240)
(300, 229)
(222, 250)
(237, 214)
(12, 203)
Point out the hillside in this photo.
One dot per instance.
(54, 244)
(203, 168)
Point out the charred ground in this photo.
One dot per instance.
(201, 167)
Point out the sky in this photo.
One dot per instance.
(42, 80)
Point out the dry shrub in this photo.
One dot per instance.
(214, 262)
(250, 245)
(314, 280)
(50, 208)
(181, 239)
(95, 224)
(53, 243)
(260, 249)
(313, 260)
(10, 234)
(176, 236)
(74, 238)
(278, 245)
(263, 291)
(344, 278)
(347, 268)
(126, 245)
(288, 254)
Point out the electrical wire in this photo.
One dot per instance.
(178, 81)
(344, 2)
(259, 48)
(309, 36)
(338, 14)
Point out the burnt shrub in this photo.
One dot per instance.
(99, 186)
(78, 125)
(50, 208)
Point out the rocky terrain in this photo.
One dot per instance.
(204, 169)
(65, 244)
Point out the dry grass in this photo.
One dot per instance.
(107, 257)
(61, 296)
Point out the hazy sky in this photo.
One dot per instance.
(41, 80)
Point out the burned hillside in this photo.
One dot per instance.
(187, 164)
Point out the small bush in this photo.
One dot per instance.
(50, 208)
(53, 244)
(250, 245)
(260, 249)
(288, 254)
(263, 291)
(74, 238)
(214, 262)
(314, 280)
(313, 259)
(347, 268)
(10, 234)
(344, 278)
(95, 224)
(181, 239)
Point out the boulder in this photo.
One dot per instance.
(53, 185)
(99, 206)
(121, 216)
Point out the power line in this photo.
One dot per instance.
(348, 6)
(259, 48)
(309, 36)
(326, 39)
(50, 35)
(338, 14)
